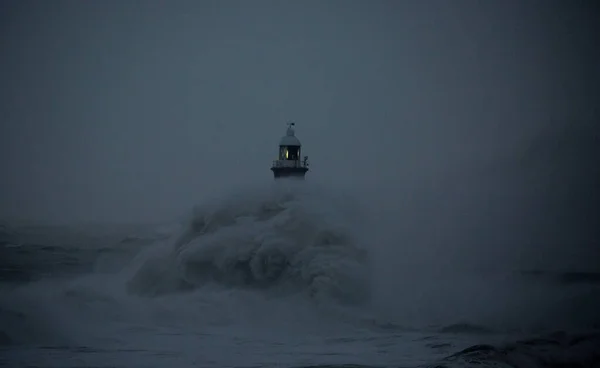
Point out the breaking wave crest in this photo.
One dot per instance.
(551, 351)
(287, 238)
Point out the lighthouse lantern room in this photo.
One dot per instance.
(290, 162)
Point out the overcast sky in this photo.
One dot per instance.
(136, 110)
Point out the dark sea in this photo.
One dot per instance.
(277, 278)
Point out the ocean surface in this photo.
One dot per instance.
(280, 277)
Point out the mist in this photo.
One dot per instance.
(454, 179)
(469, 128)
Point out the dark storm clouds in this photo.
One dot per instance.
(135, 110)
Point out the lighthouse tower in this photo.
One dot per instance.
(290, 163)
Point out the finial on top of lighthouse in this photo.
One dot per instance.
(290, 129)
(289, 163)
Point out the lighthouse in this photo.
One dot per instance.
(290, 162)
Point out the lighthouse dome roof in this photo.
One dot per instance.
(289, 139)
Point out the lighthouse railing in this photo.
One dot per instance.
(290, 163)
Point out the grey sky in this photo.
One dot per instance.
(129, 110)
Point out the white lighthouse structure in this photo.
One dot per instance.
(290, 162)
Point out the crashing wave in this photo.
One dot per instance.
(285, 239)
